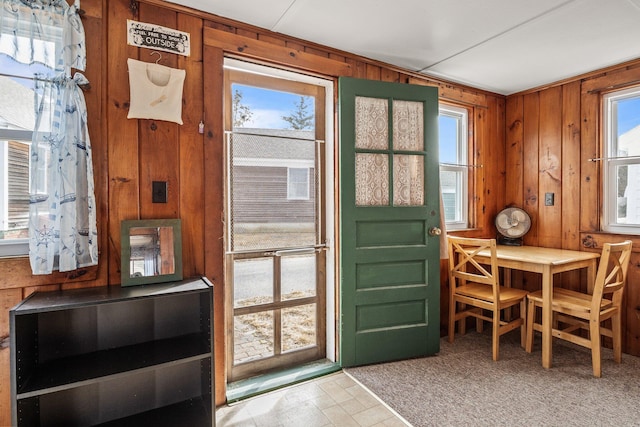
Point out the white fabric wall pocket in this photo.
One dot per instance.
(155, 91)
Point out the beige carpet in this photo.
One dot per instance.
(462, 386)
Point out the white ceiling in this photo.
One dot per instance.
(503, 46)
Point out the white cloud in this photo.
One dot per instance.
(267, 119)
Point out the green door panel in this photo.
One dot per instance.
(390, 269)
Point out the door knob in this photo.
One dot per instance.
(435, 231)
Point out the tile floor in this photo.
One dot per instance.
(333, 400)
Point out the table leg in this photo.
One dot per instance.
(547, 315)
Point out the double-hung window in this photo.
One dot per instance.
(16, 129)
(17, 122)
(454, 170)
(621, 162)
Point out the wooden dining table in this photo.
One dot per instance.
(547, 262)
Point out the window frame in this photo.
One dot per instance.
(12, 247)
(611, 160)
(290, 182)
(460, 167)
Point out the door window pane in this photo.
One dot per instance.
(408, 126)
(298, 327)
(372, 179)
(372, 123)
(298, 275)
(252, 282)
(253, 336)
(408, 180)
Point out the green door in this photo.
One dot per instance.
(389, 181)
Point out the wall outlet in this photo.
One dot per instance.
(548, 199)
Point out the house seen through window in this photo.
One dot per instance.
(17, 120)
(454, 175)
(621, 161)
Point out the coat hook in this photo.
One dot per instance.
(159, 56)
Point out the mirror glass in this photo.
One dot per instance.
(151, 251)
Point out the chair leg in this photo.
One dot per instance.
(616, 334)
(531, 317)
(523, 326)
(496, 334)
(594, 331)
(452, 318)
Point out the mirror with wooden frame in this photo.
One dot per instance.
(151, 251)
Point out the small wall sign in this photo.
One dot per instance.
(159, 38)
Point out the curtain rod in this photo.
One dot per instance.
(14, 76)
(85, 86)
(456, 164)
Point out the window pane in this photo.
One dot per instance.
(298, 327)
(298, 186)
(372, 123)
(448, 137)
(408, 126)
(298, 275)
(621, 165)
(450, 181)
(252, 282)
(372, 179)
(253, 336)
(408, 180)
(454, 171)
(628, 195)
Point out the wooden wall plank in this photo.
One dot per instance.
(192, 167)
(531, 108)
(590, 171)
(514, 163)
(550, 164)
(571, 179)
(213, 59)
(571, 165)
(158, 141)
(8, 299)
(496, 191)
(482, 175)
(122, 134)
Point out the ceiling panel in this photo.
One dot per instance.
(261, 13)
(571, 41)
(504, 46)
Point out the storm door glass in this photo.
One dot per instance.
(276, 258)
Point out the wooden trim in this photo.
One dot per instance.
(287, 56)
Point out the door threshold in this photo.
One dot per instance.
(254, 386)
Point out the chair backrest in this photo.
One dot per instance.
(464, 267)
(612, 272)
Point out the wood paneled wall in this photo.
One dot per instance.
(551, 134)
(130, 154)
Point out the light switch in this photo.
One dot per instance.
(548, 199)
(159, 192)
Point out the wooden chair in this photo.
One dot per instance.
(578, 311)
(478, 286)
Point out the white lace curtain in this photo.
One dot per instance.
(62, 214)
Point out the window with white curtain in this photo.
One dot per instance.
(454, 171)
(17, 119)
(621, 161)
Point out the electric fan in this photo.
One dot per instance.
(512, 224)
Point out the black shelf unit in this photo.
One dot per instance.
(114, 356)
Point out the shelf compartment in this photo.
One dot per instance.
(69, 372)
(141, 395)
